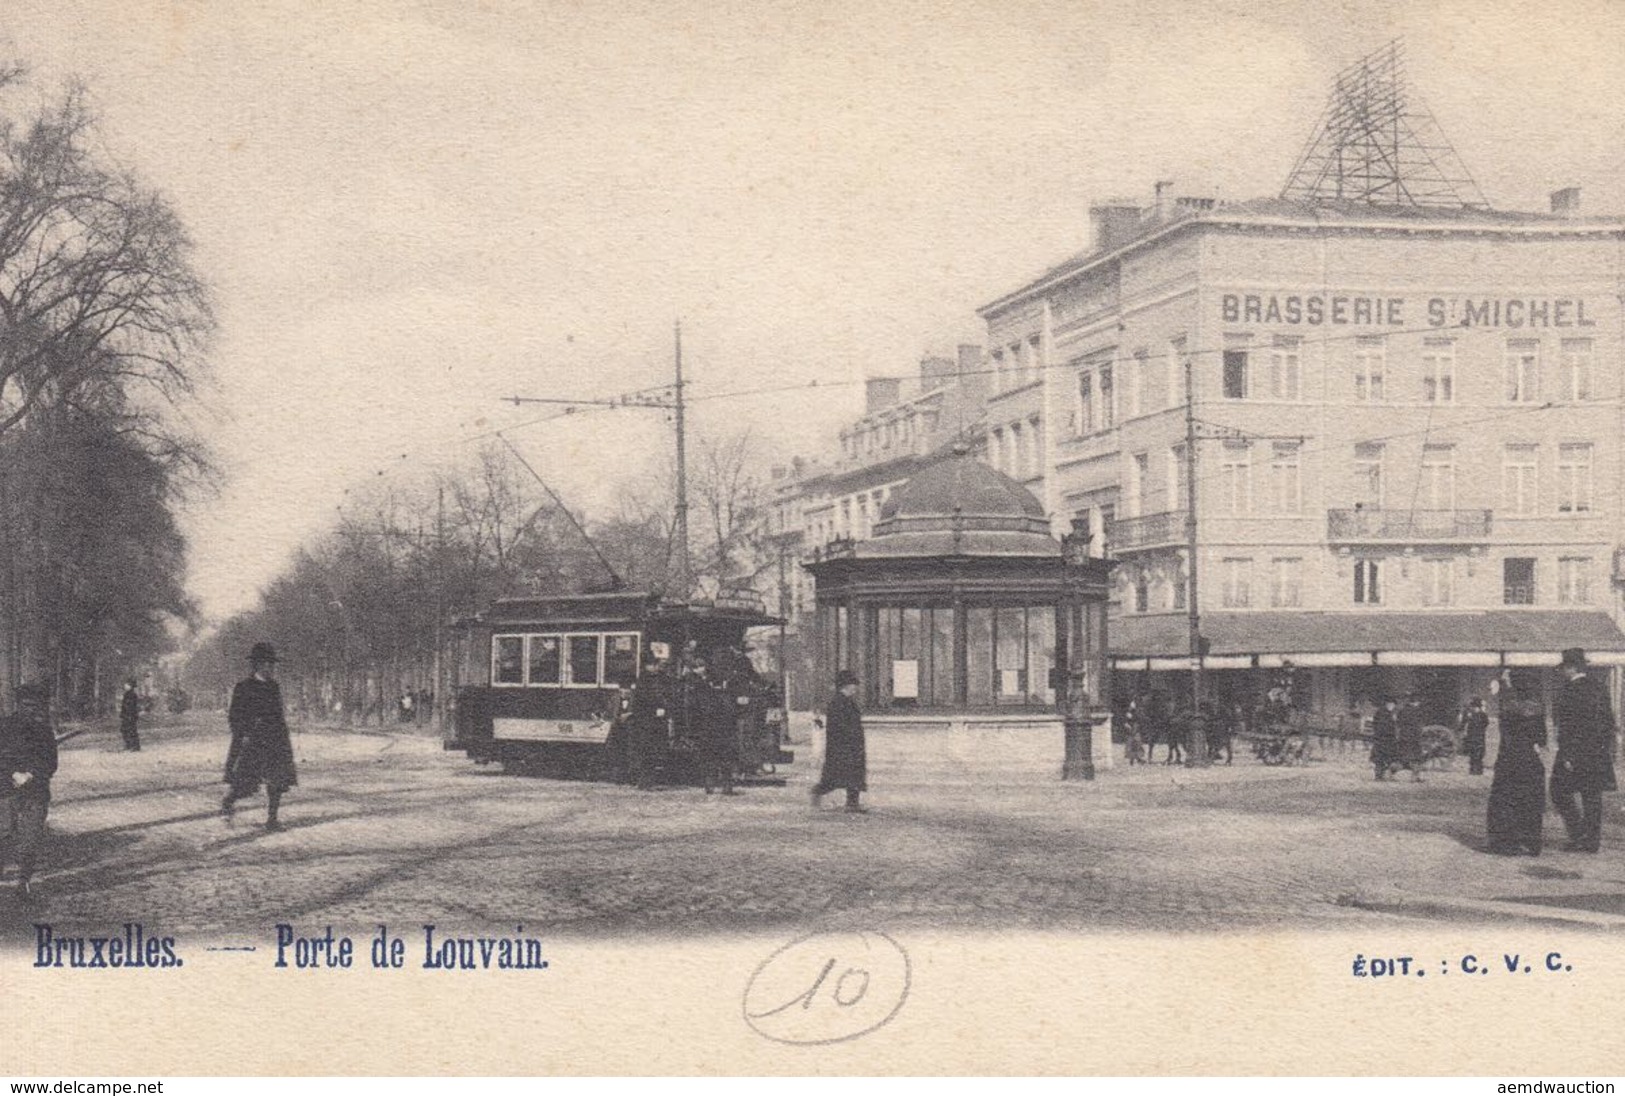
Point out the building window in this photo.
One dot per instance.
(1236, 476)
(996, 450)
(1142, 591)
(1018, 452)
(1518, 467)
(1438, 582)
(1139, 387)
(1177, 586)
(1086, 402)
(1286, 367)
(1286, 482)
(1574, 478)
(999, 382)
(1439, 371)
(1370, 368)
(1238, 573)
(1035, 358)
(1574, 580)
(1108, 408)
(1368, 475)
(1019, 364)
(1368, 582)
(1517, 581)
(1523, 370)
(1236, 380)
(1438, 486)
(1286, 582)
(1577, 369)
(1139, 473)
(1035, 431)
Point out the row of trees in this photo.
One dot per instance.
(366, 613)
(104, 327)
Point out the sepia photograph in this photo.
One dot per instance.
(1015, 537)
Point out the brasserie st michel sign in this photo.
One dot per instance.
(1364, 310)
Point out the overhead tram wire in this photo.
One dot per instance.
(635, 400)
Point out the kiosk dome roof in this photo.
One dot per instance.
(960, 506)
(959, 484)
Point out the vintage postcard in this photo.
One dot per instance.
(864, 538)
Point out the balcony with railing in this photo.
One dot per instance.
(1435, 526)
(1150, 531)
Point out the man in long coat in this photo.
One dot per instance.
(261, 752)
(28, 759)
(129, 715)
(1584, 766)
(845, 759)
(649, 723)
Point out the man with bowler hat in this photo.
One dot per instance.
(845, 760)
(27, 763)
(1584, 766)
(261, 752)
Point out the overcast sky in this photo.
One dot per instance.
(410, 210)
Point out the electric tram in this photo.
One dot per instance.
(558, 675)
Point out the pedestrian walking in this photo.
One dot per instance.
(261, 752)
(1385, 737)
(1584, 766)
(1475, 721)
(28, 760)
(845, 756)
(1409, 736)
(1518, 788)
(129, 715)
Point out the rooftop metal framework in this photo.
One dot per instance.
(1376, 142)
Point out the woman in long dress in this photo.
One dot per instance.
(1518, 789)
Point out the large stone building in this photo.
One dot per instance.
(906, 422)
(1408, 461)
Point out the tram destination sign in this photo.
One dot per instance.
(551, 730)
(1370, 310)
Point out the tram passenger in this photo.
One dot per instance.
(714, 711)
(650, 722)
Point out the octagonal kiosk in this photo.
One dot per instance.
(978, 638)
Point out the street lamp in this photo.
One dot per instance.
(1072, 695)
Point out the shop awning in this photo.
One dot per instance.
(1484, 638)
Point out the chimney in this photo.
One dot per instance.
(1115, 222)
(934, 370)
(880, 393)
(1566, 202)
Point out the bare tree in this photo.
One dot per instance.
(96, 281)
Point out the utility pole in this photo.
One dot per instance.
(1196, 752)
(784, 657)
(685, 576)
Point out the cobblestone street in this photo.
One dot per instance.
(387, 826)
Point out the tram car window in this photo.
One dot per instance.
(564, 674)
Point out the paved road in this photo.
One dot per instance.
(386, 826)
